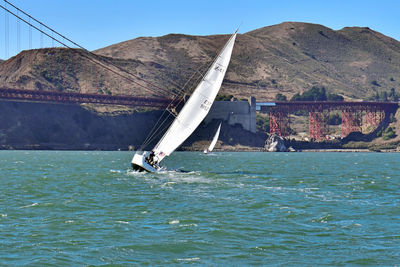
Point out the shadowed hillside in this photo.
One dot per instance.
(288, 58)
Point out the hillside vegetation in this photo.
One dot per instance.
(289, 58)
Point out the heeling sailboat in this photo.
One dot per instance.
(214, 141)
(191, 115)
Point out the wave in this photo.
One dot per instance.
(31, 205)
(122, 222)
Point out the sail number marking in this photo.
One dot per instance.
(206, 105)
(218, 68)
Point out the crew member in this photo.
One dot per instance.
(151, 158)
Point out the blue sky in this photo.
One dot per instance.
(99, 23)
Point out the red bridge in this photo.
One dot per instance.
(78, 98)
(354, 114)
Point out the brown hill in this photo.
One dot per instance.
(288, 58)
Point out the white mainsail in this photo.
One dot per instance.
(215, 139)
(198, 105)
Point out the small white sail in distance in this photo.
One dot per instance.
(198, 105)
(215, 139)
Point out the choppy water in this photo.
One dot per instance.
(89, 208)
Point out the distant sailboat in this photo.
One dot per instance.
(191, 115)
(214, 141)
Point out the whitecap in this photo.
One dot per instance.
(115, 171)
(168, 184)
(69, 221)
(188, 225)
(31, 205)
(173, 222)
(189, 259)
(3, 215)
(131, 172)
(122, 222)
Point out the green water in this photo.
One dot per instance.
(235, 209)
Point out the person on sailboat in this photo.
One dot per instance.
(172, 109)
(150, 158)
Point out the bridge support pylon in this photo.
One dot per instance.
(318, 128)
(373, 117)
(351, 121)
(279, 122)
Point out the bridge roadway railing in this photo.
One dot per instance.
(78, 98)
(328, 105)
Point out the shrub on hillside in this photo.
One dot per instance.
(335, 97)
(262, 124)
(388, 133)
(280, 97)
(224, 97)
(316, 94)
(334, 119)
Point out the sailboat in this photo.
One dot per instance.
(192, 114)
(214, 141)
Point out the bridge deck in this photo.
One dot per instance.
(78, 98)
(326, 105)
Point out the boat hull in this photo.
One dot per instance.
(140, 164)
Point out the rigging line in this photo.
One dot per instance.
(69, 40)
(154, 132)
(198, 72)
(92, 60)
(201, 75)
(196, 81)
(167, 92)
(150, 137)
(151, 133)
(159, 133)
(96, 61)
